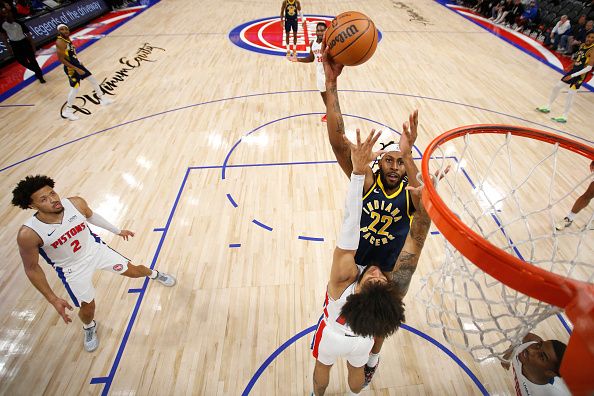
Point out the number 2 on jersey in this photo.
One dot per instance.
(75, 246)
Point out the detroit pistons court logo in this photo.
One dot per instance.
(267, 36)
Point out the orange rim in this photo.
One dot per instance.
(576, 297)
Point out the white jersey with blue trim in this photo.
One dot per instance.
(526, 388)
(67, 243)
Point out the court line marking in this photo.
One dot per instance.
(16, 105)
(313, 239)
(260, 224)
(288, 92)
(311, 329)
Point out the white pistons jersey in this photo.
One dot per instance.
(67, 243)
(316, 49)
(526, 388)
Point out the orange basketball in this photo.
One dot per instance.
(351, 38)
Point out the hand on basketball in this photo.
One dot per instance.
(126, 234)
(61, 305)
(362, 154)
(331, 69)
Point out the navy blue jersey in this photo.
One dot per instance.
(385, 222)
(291, 9)
(582, 57)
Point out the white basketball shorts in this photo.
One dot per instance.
(320, 79)
(330, 344)
(78, 278)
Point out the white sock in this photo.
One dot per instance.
(373, 359)
(89, 325)
(569, 101)
(71, 96)
(555, 93)
(154, 274)
(571, 216)
(95, 85)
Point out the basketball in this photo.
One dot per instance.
(351, 38)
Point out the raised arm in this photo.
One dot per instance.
(344, 270)
(335, 123)
(29, 242)
(407, 261)
(96, 219)
(407, 141)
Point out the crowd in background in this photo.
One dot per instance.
(561, 25)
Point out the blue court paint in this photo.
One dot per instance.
(311, 329)
(228, 156)
(435, 232)
(288, 92)
(135, 290)
(234, 245)
(445, 350)
(313, 239)
(230, 198)
(158, 229)
(259, 224)
(273, 356)
(109, 378)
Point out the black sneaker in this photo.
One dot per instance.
(369, 371)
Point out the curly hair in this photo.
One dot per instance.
(21, 195)
(375, 311)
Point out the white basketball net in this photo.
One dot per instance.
(520, 192)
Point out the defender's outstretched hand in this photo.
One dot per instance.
(362, 154)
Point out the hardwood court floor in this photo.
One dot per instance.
(155, 162)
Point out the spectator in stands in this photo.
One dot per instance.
(529, 15)
(566, 42)
(589, 10)
(20, 42)
(562, 27)
(515, 13)
(23, 8)
(503, 10)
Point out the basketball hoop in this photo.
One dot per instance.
(497, 221)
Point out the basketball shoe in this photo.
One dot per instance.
(324, 119)
(369, 371)
(165, 279)
(560, 119)
(91, 341)
(543, 109)
(69, 114)
(563, 224)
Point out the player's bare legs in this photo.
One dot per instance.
(356, 378)
(86, 313)
(580, 203)
(321, 378)
(137, 271)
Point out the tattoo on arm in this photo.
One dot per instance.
(406, 266)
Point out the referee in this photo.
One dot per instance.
(21, 43)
